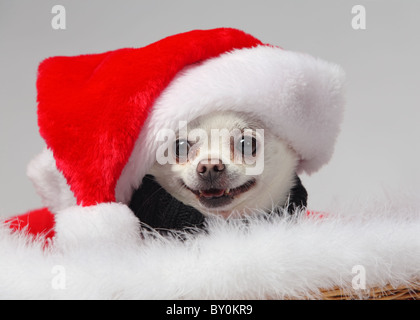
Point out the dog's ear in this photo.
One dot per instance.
(298, 197)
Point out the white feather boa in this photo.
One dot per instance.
(97, 253)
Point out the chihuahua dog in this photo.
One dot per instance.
(224, 163)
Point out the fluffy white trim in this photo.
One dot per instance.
(98, 254)
(49, 182)
(105, 222)
(297, 96)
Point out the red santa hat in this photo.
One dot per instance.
(100, 114)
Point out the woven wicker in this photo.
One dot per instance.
(411, 292)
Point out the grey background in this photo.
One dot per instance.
(378, 148)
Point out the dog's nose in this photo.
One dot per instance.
(210, 169)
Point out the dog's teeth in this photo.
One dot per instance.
(227, 191)
(199, 191)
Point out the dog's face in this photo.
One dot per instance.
(227, 163)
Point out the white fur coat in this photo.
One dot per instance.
(98, 253)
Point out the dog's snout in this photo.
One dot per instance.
(209, 169)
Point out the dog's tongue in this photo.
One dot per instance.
(212, 193)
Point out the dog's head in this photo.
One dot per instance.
(228, 163)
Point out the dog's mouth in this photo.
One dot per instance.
(212, 198)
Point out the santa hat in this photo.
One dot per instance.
(100, 114)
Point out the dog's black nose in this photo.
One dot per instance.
(210, 169)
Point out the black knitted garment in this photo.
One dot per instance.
(157, 209)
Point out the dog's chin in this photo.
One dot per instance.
(220, 200)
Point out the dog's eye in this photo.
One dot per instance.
(181, 149)
(247, 145)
